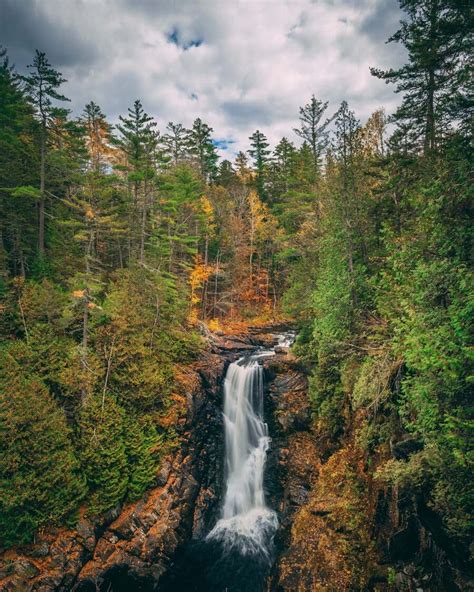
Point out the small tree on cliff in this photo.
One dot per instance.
(39, 475)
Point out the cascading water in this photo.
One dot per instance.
(247, 524)
(237, 554)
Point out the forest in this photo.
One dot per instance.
(123, 246)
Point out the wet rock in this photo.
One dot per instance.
(406, 446)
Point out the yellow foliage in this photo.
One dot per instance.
(207, 207)
(214, 325)
(197, 278)
(79, 293)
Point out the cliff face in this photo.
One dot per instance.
(339, 528)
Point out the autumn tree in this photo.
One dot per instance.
(98, 136)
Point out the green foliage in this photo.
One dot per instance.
(391, 302)
(142, 445)
(102, 452)
(260, 153)
(39, 475)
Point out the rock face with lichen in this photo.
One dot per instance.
(339, 528)
(323, 506)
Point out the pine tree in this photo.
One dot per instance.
(139, 142)
(242, 167)
(260, 154)
(102, 452)
(39, 475)
(313, 131)
(42, 86)
(98, 135)
(202, 148)
(226, 174)
(282, 168)
(141, 441)
(438, 38)
(18, 172)
(175, 142)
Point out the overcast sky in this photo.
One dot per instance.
(239, 65)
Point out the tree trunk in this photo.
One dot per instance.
(41, 204)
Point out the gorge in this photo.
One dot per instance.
(209, 525)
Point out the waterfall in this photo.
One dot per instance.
(247, 524)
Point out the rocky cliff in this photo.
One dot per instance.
(339, 528)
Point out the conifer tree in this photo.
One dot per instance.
(312, 130)
(226, 173)
(438, 37)
(39, 476)
(139, 140)
(19, 172)
(175, 142)
(242, 167)
(42, 85)
(202, 148)
(260, 153)
(98, 136)
(102, 452)
(283, 164)
(141, 441)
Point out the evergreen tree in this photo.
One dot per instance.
(139, 141)
(176, 142)
(282, 168)
(242, 167)
(18, 173)
(42, 86)
(260, 154)
(98, 136)
(312, 130)
(226, 174)
(39, 476)
(141, 443)
(202, 148)
(438, 38)
(102, 452)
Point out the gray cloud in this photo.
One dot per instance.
(238, 65)
(25, 26)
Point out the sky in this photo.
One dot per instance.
(240, 65)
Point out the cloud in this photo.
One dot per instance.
(25, 26)
(238, 65)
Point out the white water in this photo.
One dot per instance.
(247, 524)
(287, 339)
